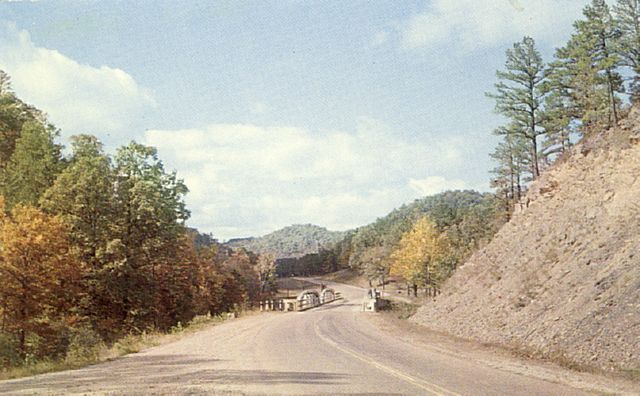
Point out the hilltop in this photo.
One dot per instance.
(292, 241)
(562, 278)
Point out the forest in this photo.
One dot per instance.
(94, 247)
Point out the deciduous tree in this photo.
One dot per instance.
(42, 278)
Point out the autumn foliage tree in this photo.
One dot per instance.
(421, 257)
(42, 280)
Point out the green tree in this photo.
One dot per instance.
(584, 71)
(33, 166)
(519, 94)
(513, 164)
(13, 115)
(83, 196)
(557, 125)
(150, 209)
(627, 18)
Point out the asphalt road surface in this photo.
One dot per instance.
(333, 349)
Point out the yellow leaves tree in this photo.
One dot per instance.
(421, 256)
(41, 279)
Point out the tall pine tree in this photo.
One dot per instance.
(519, 94)
(627, 18)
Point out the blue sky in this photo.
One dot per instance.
(282, 112)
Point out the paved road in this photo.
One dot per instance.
(333, 349)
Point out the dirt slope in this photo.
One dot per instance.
(562, 279)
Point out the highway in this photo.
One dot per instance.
(333, 349)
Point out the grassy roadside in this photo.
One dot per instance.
(131, 343)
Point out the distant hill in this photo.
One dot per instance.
(292, 241)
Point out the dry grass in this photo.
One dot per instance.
(131, 343)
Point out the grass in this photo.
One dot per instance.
(401, 310)
(131, 343)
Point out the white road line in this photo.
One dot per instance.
(428, 386)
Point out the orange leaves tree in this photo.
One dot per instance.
(421, 256)
(42, 280)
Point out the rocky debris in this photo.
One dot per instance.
(562, 278)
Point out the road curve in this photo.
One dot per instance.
(333, 349)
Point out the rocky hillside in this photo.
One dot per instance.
(292, 241)
(562, 278)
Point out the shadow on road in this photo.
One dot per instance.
(136, 373)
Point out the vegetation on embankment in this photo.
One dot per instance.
(99, 352)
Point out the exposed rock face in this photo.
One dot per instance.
(562, 278)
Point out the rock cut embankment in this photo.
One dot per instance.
(562, 278)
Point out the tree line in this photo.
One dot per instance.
(585, 88)
(96, 244)
(421, 243)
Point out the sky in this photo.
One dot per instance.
(282, 112)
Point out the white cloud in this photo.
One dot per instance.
(436, 184)
(248, 180)
(379, 38)
(78, 98)
(470, 24)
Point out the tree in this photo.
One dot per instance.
(627, 20)
(33, 167)
(557, 124)
(41, 278)
(514, 162)
(421, 257)
(376, 266)
(83, 196)
(266, 267)
(519, 94)
(241, 265)
(584, 71)
(150, 209)
(13, 115)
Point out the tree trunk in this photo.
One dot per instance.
(534, 153)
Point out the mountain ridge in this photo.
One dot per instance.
(295, 240)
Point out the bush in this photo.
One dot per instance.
(85, 345)
(9, 356)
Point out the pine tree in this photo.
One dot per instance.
(513, 164)
(557, 125)
(627, 20)
(519, 94)
(584, 71)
